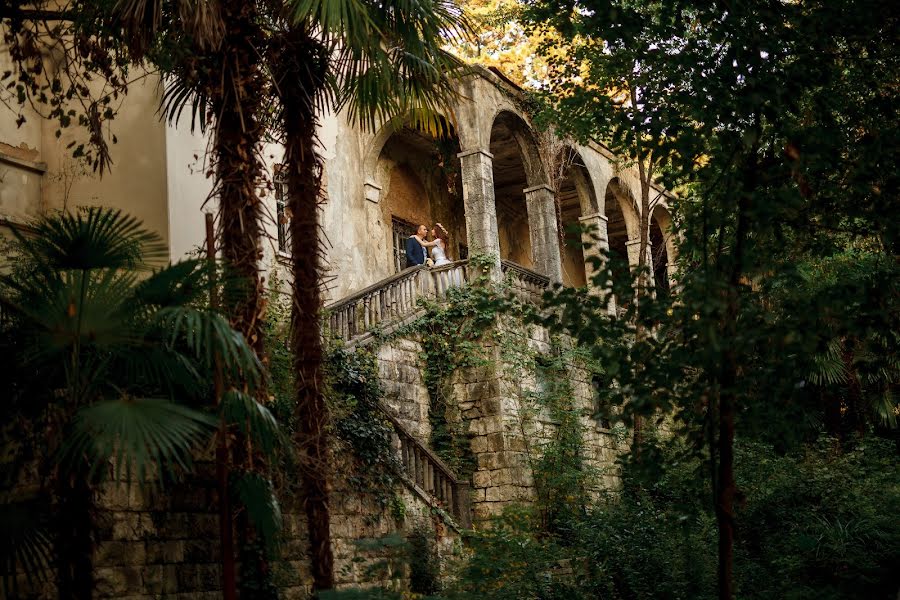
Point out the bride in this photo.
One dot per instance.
(439, 250)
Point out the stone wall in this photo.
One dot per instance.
(165, 543)
(401, 371)
(499, 409)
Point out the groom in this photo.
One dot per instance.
(415, 252)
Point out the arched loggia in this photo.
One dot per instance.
(417, 181)
(622, 228)
(576, 198)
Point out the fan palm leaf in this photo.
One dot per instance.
(26, 547)
(135, 435)
(91, 238)
(252, 419)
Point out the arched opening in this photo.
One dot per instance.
(576, 198)
(419, 177)
(514, 166)
(662, 248)
(620, 225)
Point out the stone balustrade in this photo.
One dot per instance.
(431, 477)
(397, 297)
(392, 299)
(524, 284)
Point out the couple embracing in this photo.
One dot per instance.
(418, 244)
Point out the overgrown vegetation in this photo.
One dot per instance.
(808, 531)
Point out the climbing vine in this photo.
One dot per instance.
(353, 396)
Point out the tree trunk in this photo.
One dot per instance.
(645, 173)
(235, 87)
(728, 381)
(75, 537)
(237, 96)
(301, 67)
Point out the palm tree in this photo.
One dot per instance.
(209, 51)
(376, 62)
(109, 363)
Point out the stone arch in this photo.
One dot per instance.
(664, 250)
(618, 197)
(414, 179)
(525, 140)
(577, 200)
(373, 179)
(516, 168)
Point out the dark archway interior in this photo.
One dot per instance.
(423, 186)
(617, 233)
(571, 189)
(510, 179)
(660, 256)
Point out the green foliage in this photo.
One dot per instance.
(258, 498)
(137, 433)
(424, 560)
(359, 422)
(511, 561)
(808, 531)
(452, 333)
(103, 368)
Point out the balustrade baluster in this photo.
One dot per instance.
(404, 453)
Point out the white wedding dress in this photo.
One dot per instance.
(439, 256)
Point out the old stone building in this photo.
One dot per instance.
(488, 183)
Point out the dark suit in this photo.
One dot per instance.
(415, 252)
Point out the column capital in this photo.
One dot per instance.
(536, 188)
(593, 216)
(466, 153)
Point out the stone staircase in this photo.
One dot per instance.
(391, 303)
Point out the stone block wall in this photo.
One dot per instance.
(401, 372)
(165, 543)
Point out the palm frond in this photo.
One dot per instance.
(252, 419)
(828, 366)
(389, 56)
(258, 498)
(26, 547)
(135, 434)
(886, 408)
(142, 21)
(91, 238)
(208, 336)
(178, 96)
(59, 310)
(178, 284)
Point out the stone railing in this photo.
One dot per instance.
(430, 477)
(525, 284)
(392, 299)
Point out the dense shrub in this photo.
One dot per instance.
(818, 523)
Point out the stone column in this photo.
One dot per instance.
(634, 250)
(545, 253)
(481, 210)
(595, 226)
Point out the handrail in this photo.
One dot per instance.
(366, 291)
(392, 299)
(525, 284)
(430, 474)
(508, 266)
